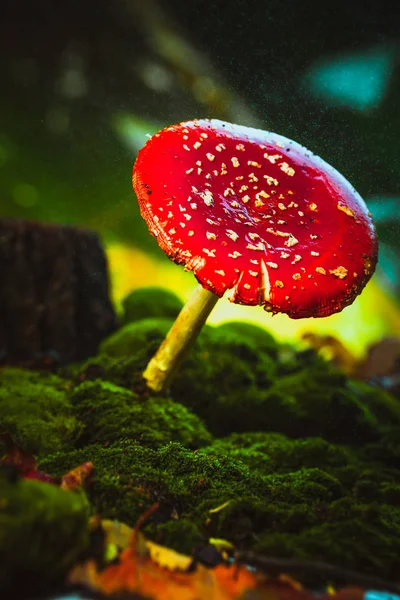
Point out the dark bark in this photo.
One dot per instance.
(54, 303)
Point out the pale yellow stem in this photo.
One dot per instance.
(182, 334)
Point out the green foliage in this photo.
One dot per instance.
(36, 411)
(150, 302)
(43, 531)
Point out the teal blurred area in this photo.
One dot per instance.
(357, 80)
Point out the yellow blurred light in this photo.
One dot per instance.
(372, 316)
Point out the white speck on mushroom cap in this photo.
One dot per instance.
(251, 198)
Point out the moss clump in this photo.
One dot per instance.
(223, 380)
(36, 411)
(281, 513)
(367, 536)
(131, 477)
(233, 330)
(43, 531)
(109, 413)
(235, 387)
(276, 453)
(150, 302)
(236, 378)
(125, 371)
(133, 337)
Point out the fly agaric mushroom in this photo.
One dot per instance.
(254, 213)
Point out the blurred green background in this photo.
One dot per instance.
(82, 83)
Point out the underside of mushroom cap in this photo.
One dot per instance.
(256, 215)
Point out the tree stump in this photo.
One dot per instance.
(54, 302)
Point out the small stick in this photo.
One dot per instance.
(323, 571)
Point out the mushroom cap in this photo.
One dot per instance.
(257, 214)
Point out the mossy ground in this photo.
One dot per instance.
(307, 460)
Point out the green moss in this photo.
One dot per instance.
(234, 387)
(236, 382)
(109, 412)
(130, 477)
(43, 531)
(370, 541)
(237, 370)
(36, 411)
(280, 508)
(233, 330)
(324, 403)
(304, 457)
(133, 337)
(276, 453)
(150, 302)
(181, 534)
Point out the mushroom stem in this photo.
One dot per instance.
(182, 334)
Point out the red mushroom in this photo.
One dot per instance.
(254, 213)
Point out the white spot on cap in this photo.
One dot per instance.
(345, 209)
(232, 235)
(228, 192)
(271, 180)
(291, 241)
(259, 246)
(208, 198)
(286, 169)
(272, 157)
(340, 272)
